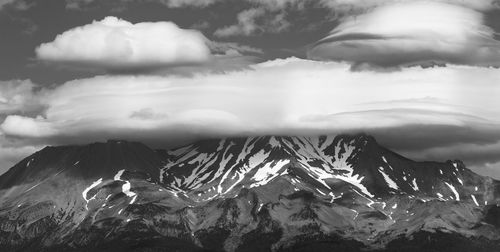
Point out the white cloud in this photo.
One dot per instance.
(26, 126)
(403, 33)
(424, 108)
(116, 44)
(289, 94)
(349, 5)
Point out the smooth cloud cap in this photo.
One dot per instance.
(407, 33)
(113, 43)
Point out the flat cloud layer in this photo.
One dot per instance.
(405, 33)
(413, 110)
(116, 44)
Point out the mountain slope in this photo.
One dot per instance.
(265, 193)
(215, 167)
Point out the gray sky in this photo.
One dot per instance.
(421, 76)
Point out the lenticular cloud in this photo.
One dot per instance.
(411, 33)
(116, 44)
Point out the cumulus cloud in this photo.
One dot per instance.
(405, 33)
(116, 44)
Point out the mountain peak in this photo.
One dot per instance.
(356, 161)
(281, 183)
(100, 159)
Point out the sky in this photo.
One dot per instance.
(422, 76)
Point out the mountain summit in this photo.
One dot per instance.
(289, 193)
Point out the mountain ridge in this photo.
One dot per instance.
(343, 191)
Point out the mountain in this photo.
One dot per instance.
(268, 193)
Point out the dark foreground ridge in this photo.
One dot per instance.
(269, 193)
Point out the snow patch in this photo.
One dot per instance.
(133, 199)
(84, 193)
(125, 187)
(414, 184)
(260, 206)
(388, 180)
(274, 143)
(119, 175)
(474, 198)
(322, 193)
(268, 172)
(452, 188)
(335, 197)
(33, 187)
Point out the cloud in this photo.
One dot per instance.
(362, 5)
(405, 33)
(414, 110)
(147, 114)
(19, 96)
(19, 5)
(116, 44)
(82, 4)
(347, 6)
(230, 48)
(5, 2)
(26, 126)
(255, 21)
(270, 96)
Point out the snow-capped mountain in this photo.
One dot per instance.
(269, 193)
(329, 163)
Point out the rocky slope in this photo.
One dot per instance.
(269, 193)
